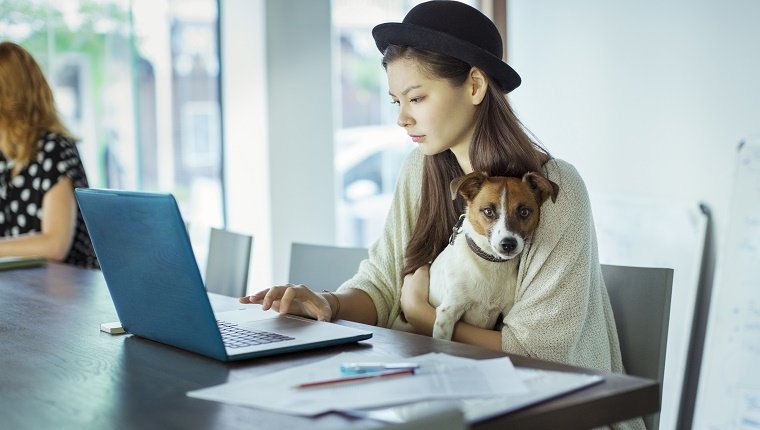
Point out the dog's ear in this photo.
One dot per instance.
(542, 187)
(468, 185)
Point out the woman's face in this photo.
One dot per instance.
(435, 114)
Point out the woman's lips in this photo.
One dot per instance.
(416, 138)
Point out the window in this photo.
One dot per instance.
(138, 82)
(201, 135)
(369, 147)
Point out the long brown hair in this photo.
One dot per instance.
(27, 107)
(500, 146)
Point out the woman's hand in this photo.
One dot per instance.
(293, 299)
(414, 300)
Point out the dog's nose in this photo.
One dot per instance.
(508, 244)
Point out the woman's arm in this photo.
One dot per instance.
(421, 314)
(58, 224)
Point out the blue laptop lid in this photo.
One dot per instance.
(148, 264)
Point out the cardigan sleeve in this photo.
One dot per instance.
(561, 310)
(380, 275)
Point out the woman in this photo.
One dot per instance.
(447, 77)
(39, 169)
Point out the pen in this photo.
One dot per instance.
(374, 366)
(357, 378)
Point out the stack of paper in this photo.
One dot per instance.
(542, 385)
(480, 388)
(439, 377)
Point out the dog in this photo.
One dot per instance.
(474, 277)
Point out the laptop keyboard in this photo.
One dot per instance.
(236, 337)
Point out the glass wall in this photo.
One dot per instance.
(138, 82)
(369, 147)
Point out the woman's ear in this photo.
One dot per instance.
(479, 84)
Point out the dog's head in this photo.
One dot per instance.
(504, 210)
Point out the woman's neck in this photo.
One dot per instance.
(462, 153)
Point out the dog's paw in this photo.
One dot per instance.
(446, 316)
(441, 331)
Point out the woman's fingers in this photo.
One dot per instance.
(274, 294)
(287, 297)
(255, 298)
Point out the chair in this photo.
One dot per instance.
(227, 264)
(640, 299)
(323, 267)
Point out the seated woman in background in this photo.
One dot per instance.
(39, 169)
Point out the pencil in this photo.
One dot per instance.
(356, 378)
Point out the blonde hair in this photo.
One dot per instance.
(27, 107)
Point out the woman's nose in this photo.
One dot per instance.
(403, 119)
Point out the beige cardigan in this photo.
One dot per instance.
(561, 310)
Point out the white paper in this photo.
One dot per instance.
(543, 385)
(440, 376)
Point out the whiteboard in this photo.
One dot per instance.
(651, 232)
(728, 395)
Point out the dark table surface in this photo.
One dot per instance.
(59, 371)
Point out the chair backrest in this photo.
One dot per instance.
(229, 256)
(640, 299)
(323, 267)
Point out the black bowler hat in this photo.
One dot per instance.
(454, 29)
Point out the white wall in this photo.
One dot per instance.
(648, 99)
(644, 97)
(245, 129)
(277, 93)
(299, 67)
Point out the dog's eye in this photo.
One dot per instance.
(489, 213)
(523, 212)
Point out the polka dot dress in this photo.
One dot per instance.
(21, 197)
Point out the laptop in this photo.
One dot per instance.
(156, 287)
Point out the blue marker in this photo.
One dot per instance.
(374, 366)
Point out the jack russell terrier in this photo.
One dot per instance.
(474, 278)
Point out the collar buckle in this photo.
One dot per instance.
(456, 229)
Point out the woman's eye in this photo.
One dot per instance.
(415, 100)
(524, 212)
(395, 102)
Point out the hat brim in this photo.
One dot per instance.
(397, 33)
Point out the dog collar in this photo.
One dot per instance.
(482, 254)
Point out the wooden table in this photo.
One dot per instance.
(57, 370)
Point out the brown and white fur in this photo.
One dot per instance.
(500, 217)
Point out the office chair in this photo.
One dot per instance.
(640, 299)
(323, 267)
(229, 255)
